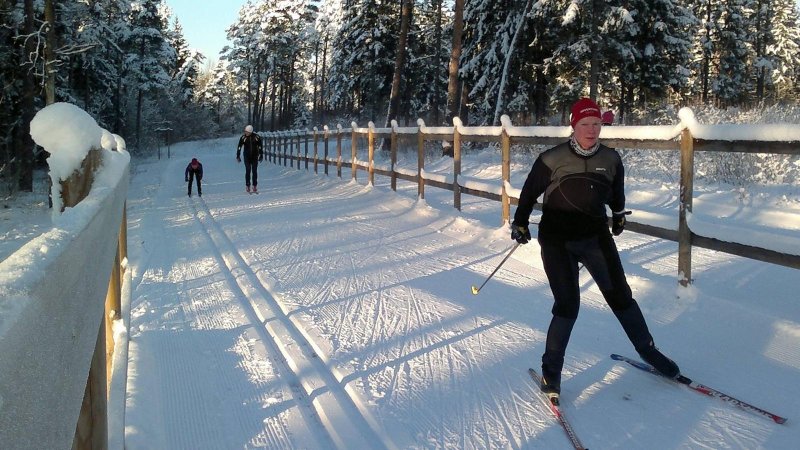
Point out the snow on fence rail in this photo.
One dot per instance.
(60, 293)
(688, 137)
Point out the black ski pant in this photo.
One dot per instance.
(251, 167)
(600, 257)
(199, 185)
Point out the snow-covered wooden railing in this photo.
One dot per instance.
(57, 300)
(688, 136)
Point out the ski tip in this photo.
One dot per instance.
(617, 357)
(780, 420)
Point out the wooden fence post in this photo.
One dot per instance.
(277, 146)
(325, 136)
(393, 147)
(306, 152)
(271, 147)
(505, 148)
(91, 430)
(316, 150)
(339, 150)
(420, 159)
(291, 148)
(686, 193)
(297, 154)
(286, 143)
(354, 150)
(456, 163)
(371, 149)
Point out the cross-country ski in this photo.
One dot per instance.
(703, 389)
(554, 404)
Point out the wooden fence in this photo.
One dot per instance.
(65, 323)
(305, 147)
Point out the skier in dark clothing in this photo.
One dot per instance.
(578, 179)
(253, 153)
(194, 170)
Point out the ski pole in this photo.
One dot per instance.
(475, 290)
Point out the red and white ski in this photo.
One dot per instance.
(556, 410)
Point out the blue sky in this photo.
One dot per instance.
(204, 23)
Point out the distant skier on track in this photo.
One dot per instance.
(578, 179)
(194, 170)
(250, 147)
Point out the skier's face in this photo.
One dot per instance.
(587, 131)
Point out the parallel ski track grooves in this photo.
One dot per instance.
(346, 419)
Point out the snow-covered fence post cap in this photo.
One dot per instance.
(354, 125)
(371, 125)
(394, 124)
(420, 123)
(339, 127)
(325, 128)
(68, 133)
(457, 123)
(687, 117)
(315, 129)
(505, 121)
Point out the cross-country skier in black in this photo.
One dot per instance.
(250, 147)
(194, 170)
(578, 179)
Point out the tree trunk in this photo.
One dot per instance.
(324, 80)
(314, 101)
(437, 58)
(273, 97)
(399, 62)
(50, 53)
(290, 92)
(23, 151)
(594, 56)
(453, 100)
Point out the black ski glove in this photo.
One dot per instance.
(520, 233)
(260, 158)
(618, 222)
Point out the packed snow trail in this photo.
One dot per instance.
(324, 313)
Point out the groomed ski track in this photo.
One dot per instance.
(328, 314)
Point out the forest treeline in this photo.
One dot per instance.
(303, 63)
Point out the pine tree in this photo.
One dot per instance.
(732, 82)
(149, 57)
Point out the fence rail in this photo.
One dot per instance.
(284, 148)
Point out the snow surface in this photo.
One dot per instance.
(327, 313)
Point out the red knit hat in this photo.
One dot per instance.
(584, 107)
